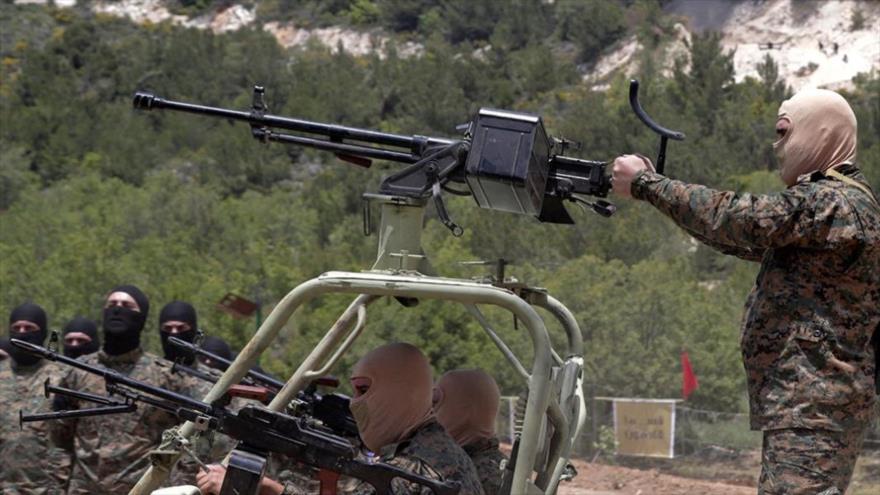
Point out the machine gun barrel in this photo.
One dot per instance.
(112, 377)
(148, 101)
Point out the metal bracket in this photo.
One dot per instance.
(403, 257)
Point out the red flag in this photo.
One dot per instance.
(688, 378)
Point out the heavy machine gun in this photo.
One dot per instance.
(506, 159)
(259, 432)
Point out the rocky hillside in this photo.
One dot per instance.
(815, 43)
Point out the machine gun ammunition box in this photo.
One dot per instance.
(508, 163)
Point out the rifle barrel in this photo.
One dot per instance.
(77, 413)
(256, 376)
(77, 394)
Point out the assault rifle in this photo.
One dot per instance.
(506, 159)
(259, 432)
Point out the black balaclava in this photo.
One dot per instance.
(218, 346)
(122, 326)
(81, 325)
(34, 314)
(178, 311)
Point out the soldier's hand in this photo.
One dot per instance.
(625, 169)
(210, 482)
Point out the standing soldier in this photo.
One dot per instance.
(809, 321)
(30, 463)
(178, 319)
(113, 451)
(466, 403)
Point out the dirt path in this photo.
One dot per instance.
(600, 479)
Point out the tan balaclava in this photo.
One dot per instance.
(822, 134)
(467, 404)
(399, 398)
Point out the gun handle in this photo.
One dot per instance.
(249, 392)
(328, 480)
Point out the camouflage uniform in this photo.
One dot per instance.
(112, 452)
(431, 453)
(489, 462)
(810, 316)
(30, 463)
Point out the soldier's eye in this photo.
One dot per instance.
(780, 132)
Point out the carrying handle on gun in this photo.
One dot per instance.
(664, 133)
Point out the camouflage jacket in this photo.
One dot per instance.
(429, 452)
(112, 452)
(29, 463)
(815, 305)
(489, 462)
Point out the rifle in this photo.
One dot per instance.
(259, 432)
(506, 159)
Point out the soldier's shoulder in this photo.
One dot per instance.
(432, 440)
(826, 197)
(434, 448)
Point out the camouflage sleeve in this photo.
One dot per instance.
(748, 254)
(733, 222)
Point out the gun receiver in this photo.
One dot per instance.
(259, 431)
(330, 409)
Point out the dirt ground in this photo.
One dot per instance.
(703, 474)
(599, 479)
